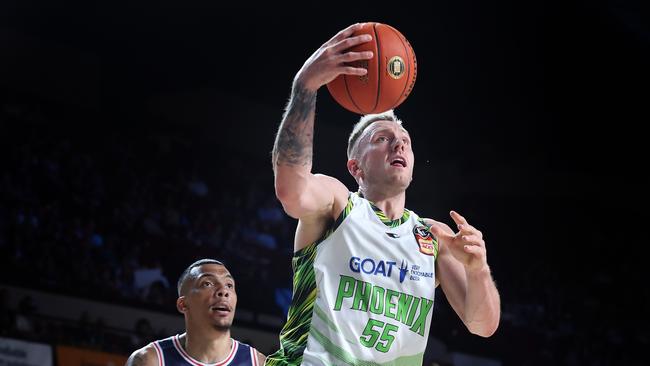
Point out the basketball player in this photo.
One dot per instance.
(365, 268)
(207, 298)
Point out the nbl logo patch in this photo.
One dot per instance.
(426, 241)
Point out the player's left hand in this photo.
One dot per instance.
(466, 245)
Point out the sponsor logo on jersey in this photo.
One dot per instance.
(414, 272)
(403, 270)
(384, 268)
(376, 267)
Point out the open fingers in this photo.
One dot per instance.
(350, 42)
(458, 219)
(343, 34)
(463, 226)
(355, 56)
(467, 229)
(347, 65)
(439, 229)
(351, 70)
(474, 249)
(473, 240)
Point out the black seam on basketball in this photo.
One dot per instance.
(408, 65)
(412, 70)
(347, 90)
(374, 29)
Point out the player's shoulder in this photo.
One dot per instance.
(332, 183)
(428, 222)
(145, 356)
(261, 358)
(338, 189)
(425, 221)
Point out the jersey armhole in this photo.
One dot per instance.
(156, 347)
(333, 226)
(254, 360)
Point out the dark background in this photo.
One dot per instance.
(526, 118)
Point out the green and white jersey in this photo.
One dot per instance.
(363, 294)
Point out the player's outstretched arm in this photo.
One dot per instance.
(465, 276)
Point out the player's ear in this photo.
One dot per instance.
(181, 305)
(354, 168)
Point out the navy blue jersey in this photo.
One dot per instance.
(171, 353)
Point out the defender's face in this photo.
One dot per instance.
(212, 297)
(385, 155)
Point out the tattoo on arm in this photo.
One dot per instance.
(294, 141)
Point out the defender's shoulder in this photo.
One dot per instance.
(145, 356)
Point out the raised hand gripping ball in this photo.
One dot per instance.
(391, 72)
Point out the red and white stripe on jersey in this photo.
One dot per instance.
(188, 358)
(159, 353)
(253, 356)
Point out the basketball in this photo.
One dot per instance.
(391, 72)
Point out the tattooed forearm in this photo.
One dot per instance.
(291, 148)
(294, 141)
(302, 102)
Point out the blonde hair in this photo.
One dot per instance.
(363, 123)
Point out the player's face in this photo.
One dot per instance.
(213, 295)
(386, 156)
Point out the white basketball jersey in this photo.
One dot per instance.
(375, 285)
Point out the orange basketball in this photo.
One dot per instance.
(391, 72)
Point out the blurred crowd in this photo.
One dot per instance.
(116, 213)
(119, 217)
